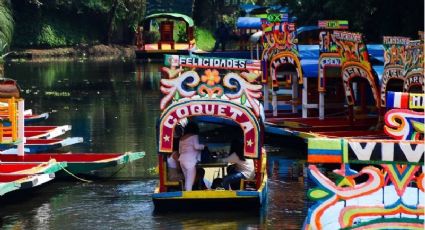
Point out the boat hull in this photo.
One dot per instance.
(77, 163)
(212, 200)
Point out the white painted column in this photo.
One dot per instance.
(21, 125)
(274, 103)
(294, 81)
(355, 91)
(266, 96)
(304, 98)
(321, 105)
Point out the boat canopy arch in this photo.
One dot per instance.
(285, 58)
(176, 16)
(355, 64)
(352, 70)
(241, 115)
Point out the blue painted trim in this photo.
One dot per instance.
(167, 194)
(324, 152)
(247, 193)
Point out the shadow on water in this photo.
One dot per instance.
(114, 105)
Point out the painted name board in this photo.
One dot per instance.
(208, 62)
(334, 61)
(391, 40)
(238, 114)
(333, 24)
(386, 151)
(329, 150)
(347, 36)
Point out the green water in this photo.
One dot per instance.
(114, 105)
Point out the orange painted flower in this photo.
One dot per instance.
(210, 77)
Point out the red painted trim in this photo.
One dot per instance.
(44, 157)
(324, 159)
(161, 173)
(11, 178)
(8, 168)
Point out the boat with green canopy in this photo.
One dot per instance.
(164, 33)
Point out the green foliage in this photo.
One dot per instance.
(58, 23)
(6, 26)
(50, 37)
(181, 32)
(204, 39)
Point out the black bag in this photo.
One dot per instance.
(206, 155)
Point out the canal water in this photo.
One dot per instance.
(114, 105)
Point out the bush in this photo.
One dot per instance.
(204, 39)
(50, 38)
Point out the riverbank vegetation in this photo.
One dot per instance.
(26, 24)
(58, 23)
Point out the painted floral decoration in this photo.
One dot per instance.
(211, 77)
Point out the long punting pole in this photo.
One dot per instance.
(21, 125)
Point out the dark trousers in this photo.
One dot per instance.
(233, 180)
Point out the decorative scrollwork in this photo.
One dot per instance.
(243, 90)
(211, 85)
(184, 85)
(403, 124)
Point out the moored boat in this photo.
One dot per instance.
(18, 176)
(229, 95)
(149, 48)
(77, 163)
(41, 145)
(345, 74)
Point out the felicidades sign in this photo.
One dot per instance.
(209, 62)
(242, 116)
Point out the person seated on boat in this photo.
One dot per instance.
(201, 183)
(242, 168)
(173, 165)
(190, 153)
(174, 171)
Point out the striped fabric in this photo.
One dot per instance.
(405, 100)
(324, 150)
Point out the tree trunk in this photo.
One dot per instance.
(111, 21)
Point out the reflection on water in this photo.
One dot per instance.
(114, 107)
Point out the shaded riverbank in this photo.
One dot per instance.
(76, 52)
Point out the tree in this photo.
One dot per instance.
(6, 31)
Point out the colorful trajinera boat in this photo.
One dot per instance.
(147, 45)
(13, 136)
(18, 176)
(282, 72)
(388, 191)
(344, 72)
(231, 94)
